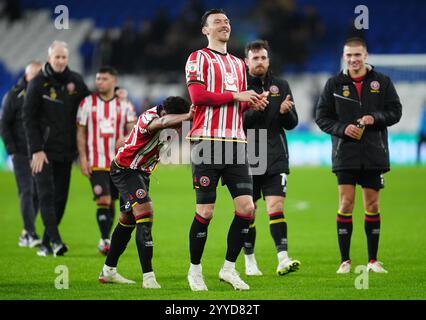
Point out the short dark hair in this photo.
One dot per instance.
(256, 45)
(176, 105)
(209, 12)
(356, 41)
(108, 69)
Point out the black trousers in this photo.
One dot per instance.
(27, 191)
(52, 187)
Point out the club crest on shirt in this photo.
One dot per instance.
(375, 86)
(53, 94)
(346, 92)
(230, 82)
(71, 88)
(274, 89)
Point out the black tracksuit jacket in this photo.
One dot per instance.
(272, 120)
(340, 105)
(50, 109)
(12, 125)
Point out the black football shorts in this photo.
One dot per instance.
(133, 186)
(269, 185)
(372, 179)
(102, 185)
(232, 168)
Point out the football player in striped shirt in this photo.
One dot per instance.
(103, 120)
(130, 172)
(217, 85)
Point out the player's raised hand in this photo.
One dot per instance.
(286, 105)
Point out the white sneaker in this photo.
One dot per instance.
(149, 281)
(253, 270)
(251, 266)
(287, 265)
(113, 276)
(23, 239)
(345, 267)
(376, 267)
(196, 281)
(34, 241)
(231, 276)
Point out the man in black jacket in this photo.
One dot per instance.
(280, 115)
(50, 110)
(12, 132)
(355, 108)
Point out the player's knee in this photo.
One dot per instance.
(143, 213)
(346, 205)
(104, 201)
(372, 207)
(249, 208)
(205, 210)
(276, 206)
(141, 208)
(127, 219)
(206, 213)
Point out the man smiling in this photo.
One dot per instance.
(355, 108)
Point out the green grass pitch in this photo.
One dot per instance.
(310, 211)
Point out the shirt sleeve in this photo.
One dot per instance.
(83, 112)
(201, 97)
(145, 119)
(196, 68)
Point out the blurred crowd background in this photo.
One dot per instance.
(149, 42)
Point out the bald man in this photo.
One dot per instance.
(12, 132)
(50, 110)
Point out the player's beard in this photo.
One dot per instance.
(259, 71)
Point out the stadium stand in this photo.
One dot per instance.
(393, 29)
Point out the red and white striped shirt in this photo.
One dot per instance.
(142, 148)
(220, 73)
(105, 123)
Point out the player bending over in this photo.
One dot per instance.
(130, 172)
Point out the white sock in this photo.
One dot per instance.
(282, 255)
(148, 275)
(107, 269)
(250, 258)
(195, 268)
(228, 265)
